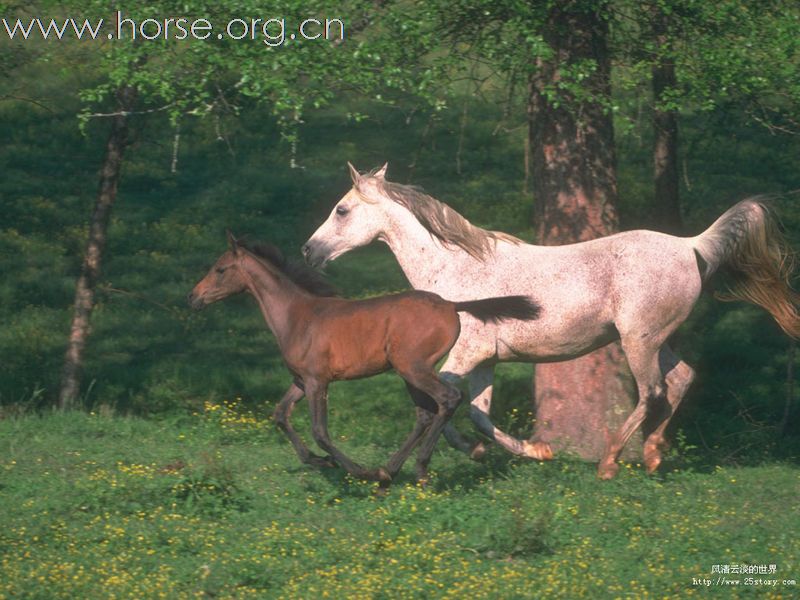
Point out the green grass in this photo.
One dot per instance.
(215, 504)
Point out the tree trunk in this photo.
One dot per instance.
(579, 403)
(90, 270)
(666, 208)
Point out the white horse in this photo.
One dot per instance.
(636, 286)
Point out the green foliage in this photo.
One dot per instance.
(729, 55)
(275, 67)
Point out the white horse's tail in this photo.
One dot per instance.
(747, 241)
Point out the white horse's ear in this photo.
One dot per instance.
(381, 173)
(354, 174)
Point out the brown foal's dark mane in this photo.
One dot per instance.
(307, 278)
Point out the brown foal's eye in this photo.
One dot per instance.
(221, 270)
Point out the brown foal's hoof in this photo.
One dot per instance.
(537, 450)
(382, 490)
(383, 476)
(422, 477)
(478, 451)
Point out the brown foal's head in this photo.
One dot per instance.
(222, 280)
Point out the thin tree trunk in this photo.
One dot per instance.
(666, 208)
(90, 270)
(579, 403)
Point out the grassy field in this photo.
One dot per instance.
(216, 505)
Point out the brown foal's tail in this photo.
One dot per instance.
(501, 308)
(746, 239)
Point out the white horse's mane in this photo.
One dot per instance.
(440, 220)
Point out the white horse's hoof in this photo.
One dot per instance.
(606, 470)
(537, 450)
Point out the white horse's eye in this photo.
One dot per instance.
(342, 210)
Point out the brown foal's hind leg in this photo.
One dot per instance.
(476, 449)
(318, 403)
(424, 420)
(426, 409)
(282, 418)
(447, 398)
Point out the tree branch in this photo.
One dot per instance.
(127, 113)
(25, 99)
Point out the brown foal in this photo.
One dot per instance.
(324, 338)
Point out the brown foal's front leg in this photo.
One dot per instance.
(282, 416)
(426, 409)
(318, 402)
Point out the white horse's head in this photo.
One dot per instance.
(358, 219)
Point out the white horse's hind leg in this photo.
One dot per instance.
(471, 358)
(678, 376)
(481, 380)
(643, 361)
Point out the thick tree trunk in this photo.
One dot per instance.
(90, 270)
(666, 207)
(579, 403)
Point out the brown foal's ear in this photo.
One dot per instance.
(354, 175)
(233, 243)
(381, 173)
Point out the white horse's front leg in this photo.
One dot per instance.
(481, 380)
